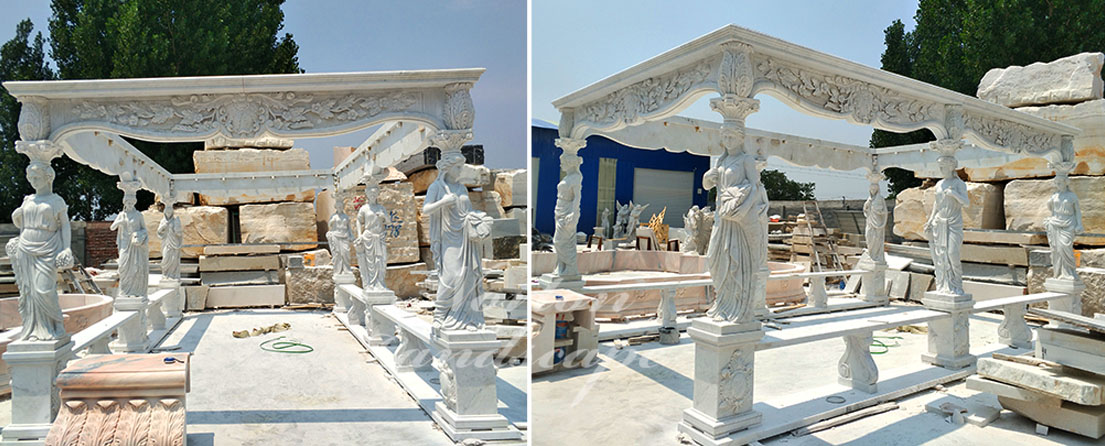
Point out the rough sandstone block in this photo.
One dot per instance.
(201, 224)
(279, 222)
(402, 226)
(511, 186)
(312, 284)
(1026, 204)
(1086, 389)
(914, 205)
(252, 160)
(1074, 78)
(403, 281)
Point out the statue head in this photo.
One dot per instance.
(1062, 181)
(129, 200)
(41, 177)
(947, 165)
(449, 166)
(168, 211)
(371, 193)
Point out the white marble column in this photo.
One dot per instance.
(568, 195)
(949, 338)
(133, 244)
(725, 340)
(172, 238)
(44, 347)
(1063, 224)
(874, 259)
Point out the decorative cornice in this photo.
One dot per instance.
(1003, 133)
(630, 105)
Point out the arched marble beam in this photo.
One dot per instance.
(387, 146)
(113, 155)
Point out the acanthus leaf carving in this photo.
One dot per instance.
(735, 77)
(864, 102)
(459, 112)
(735, 383)
(632, 103)
(245, 115)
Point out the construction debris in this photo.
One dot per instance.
(275, 328)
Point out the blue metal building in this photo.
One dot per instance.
(658, 177)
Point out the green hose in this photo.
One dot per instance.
(285, 346)
(885, 347)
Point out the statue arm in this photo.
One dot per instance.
(17, 217)
(435, 200)
(709, 180)
(960, 194)
(65, 259)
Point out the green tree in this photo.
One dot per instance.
(956, 42)
(21, 58)
(779, 187)
(99, 39)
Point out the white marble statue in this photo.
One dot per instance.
(568, 194)
(41, 248)
(738, 244)
(690, 228)
(607, 226)
(634, 219)
(131, 239)
(172, 238)
(876, 213)
(1064, 223)
(944, 228)
(372, 249)
(621, 219)
(456, 231)
(340, 238)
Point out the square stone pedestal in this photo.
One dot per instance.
(874, 280)
(553, 281)
(724, 362)
(341, 301)
(174, 307)
(34, 365)
(470, 405)
(381, 330)
(1071, 305)
(133, 335)
(143, 392)
(949, 340)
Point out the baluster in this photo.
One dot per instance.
(857, 368)
(816, 296)
(1013, 330)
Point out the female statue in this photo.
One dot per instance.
(134, 255)
(607, 227)
(372, 248)
(690, 228)
(456, 231)
(944, 228)
(738, 243)
(172, 238)
(568, 194)
(339, 237)
(41, 248)
(1064, 223)
(874, 210)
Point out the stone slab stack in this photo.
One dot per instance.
(239, 276)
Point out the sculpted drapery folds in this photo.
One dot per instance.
(172, 238)
(41, 248)
(1063, 225)
(131, 238)
(456, 231)
(340, 236)
(568, 194)
(876, 213)
(372, 247)
(944, 228)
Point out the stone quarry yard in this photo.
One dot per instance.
(637, 394)
(336, 394)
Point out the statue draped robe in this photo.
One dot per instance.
(33, 256)
(455, 232)
(172, 238)
(372, 251)
(567, 217)
(737, 244)
(946, 234)
(134, 256)
(1062, 226)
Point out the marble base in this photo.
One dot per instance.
(34, 367)
(553, 281)
(874, 280)
(381, 330)
(172, 306)
(133, 335)
(949, 339)
(1072, 305)
(341, 301)
(669, 335)
(470, 401)
(724, 362)
(480, 427)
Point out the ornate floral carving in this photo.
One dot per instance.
(864, 102)
(448, 381)
(735, 384)
(34, 119)
(451, 140)
(631, 103)
(735, 75)
(245, 115)
(1012, 135)
(459, 112)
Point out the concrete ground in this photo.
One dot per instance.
(636, 396)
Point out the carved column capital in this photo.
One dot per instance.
(570, 145)
(39, 151)
(129, 186)
(451, 140)
(34, 119)
(459, 112)
(735, 108)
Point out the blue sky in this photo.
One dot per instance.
(577, 42)
(374, 35)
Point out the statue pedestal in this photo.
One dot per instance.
(724, 359)
(34, 367)
(1074, 288)
(874, 281)
(469, 406)
(133, 335)
(949, 340)
(173, 308)
(341, 301)
(554, 282)
(381, 330)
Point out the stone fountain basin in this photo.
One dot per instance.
(80, 312)
(631, 266)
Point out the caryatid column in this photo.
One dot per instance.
(132, 240)
(339, 238)
(874, 260)
(42, 247)
(469, 403)
(568, 194)
(949, 338)
(725, 340)
(1063, 225)
(171, 233)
